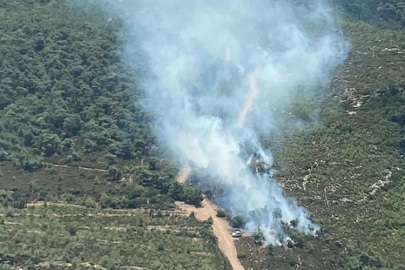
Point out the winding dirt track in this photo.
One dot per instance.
(221, 228)
(79, 167)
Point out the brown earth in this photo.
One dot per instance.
(221, 229)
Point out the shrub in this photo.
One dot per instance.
(90, 203)
(238, 222)
(221, 213)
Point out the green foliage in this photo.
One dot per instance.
(79, 98)
(270, 250)
(238, 222)
(72, 229)
(210, 221)
(6, 197)
(69, 114)
(258, 236)
(383, 13)
(221, 213)
(77, 107)
(90, 203)
(292, 262)
(65, 98)
(348, 169)
(77, 236)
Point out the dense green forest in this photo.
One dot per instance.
(66, 99)
(383, 13)
(72, 130)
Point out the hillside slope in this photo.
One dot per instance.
(72, 130)
(348, 170)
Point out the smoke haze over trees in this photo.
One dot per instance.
(75, 127)
(220, 75)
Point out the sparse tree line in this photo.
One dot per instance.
(47, 235)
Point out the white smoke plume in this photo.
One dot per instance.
(220, 70)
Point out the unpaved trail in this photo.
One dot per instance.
(122, 212)
(79, 167)
(42, 203)
(221, 228)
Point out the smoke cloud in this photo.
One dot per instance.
(220, 70)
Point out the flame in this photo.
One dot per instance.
(251, 98)
(183, 174)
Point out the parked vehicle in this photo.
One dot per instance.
(236, 234)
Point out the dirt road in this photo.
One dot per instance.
(221, 228)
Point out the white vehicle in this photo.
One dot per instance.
(236, 234)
